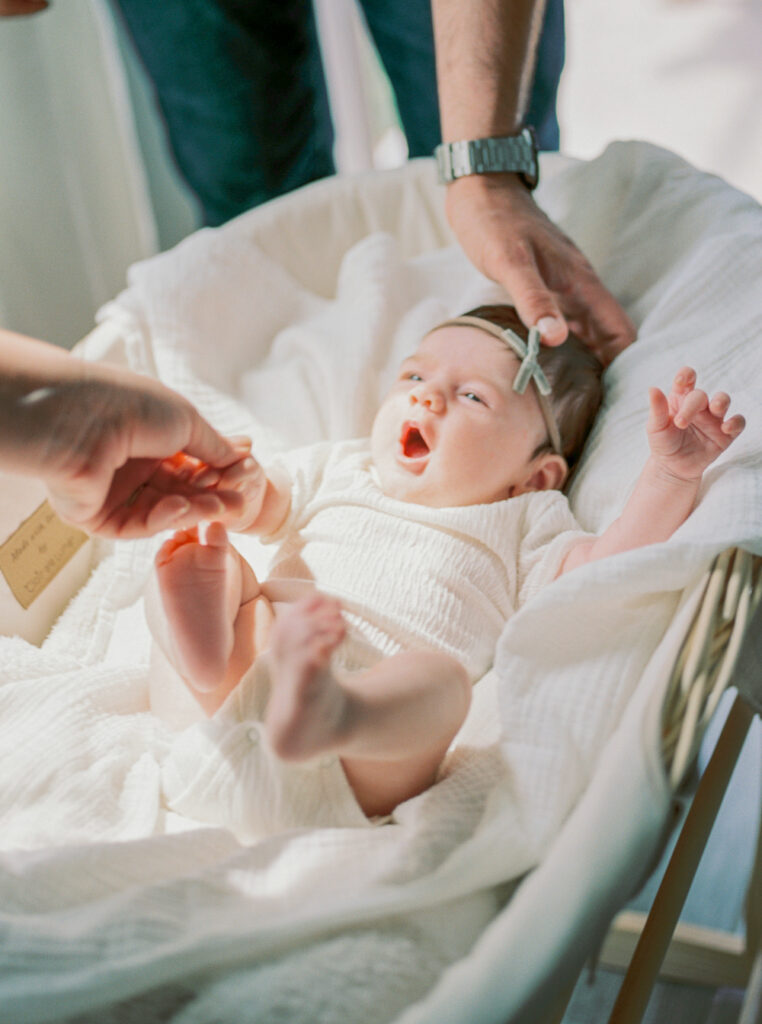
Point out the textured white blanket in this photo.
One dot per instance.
(104, 896)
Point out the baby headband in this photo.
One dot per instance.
(530, 369)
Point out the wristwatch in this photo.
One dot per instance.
(516, 153)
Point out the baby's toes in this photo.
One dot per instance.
(179, 539)
(326, 623)
(330, 613)
(215, 535)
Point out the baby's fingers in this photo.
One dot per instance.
(658, 415)
(241, 475)
(693, 403)
(719, 405)
(684, 381)
(733, 426)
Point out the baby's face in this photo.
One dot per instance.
(452, 431)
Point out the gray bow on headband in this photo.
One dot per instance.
(527, 353)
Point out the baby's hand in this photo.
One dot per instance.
(245, 477)
(158, 494)
(687, 430)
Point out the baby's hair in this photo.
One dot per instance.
(574, 375)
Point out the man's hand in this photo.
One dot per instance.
(687, 430)
(14, 7)
(510, 240)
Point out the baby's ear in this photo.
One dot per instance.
(547, 472)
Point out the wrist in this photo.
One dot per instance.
(658, 469)
(508, 183)
(481, 194)
(491, 154)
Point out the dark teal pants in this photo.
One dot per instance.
(240, 86)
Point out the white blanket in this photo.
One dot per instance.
(104, 896)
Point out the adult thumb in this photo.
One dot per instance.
(206, 444)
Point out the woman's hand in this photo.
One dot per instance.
(102, 438)
(14, 7)
(114, 456)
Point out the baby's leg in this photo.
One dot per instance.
(209, 611)
(391, 725)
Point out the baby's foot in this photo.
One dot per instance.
(200, 586)
(307, 706)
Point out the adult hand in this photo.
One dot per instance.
(104, 442)
(106, 451)
(13, 7)
(510, 240)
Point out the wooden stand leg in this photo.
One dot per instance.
(751, 1011)
(560, 1006)
(753, 905)
(638, 983)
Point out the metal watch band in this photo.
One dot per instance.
(515, 153)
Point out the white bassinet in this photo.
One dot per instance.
(483, 898)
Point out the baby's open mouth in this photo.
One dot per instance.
(413, 444)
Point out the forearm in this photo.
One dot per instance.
(26, 362)
(32, 374)
(658, 505)
(485, 64)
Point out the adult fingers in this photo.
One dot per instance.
(596, 317)
(152, 513)
(552, 284)
(170, 513)
(585, 305)
(206, 444)
(534, 302)
(16, 7)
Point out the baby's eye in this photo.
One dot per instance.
(413, 376)
(473, 397)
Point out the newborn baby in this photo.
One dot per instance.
(399, 558)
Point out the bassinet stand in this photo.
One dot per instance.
(728, 618)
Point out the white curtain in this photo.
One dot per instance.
(75, 207)
(86, 183)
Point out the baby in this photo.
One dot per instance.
(422, 540)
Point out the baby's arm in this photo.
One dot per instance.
(686, 433)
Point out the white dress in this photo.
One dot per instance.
(408, 577)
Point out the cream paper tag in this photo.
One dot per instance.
(35, 553)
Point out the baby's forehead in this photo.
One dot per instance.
(468, 348)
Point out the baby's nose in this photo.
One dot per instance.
(430, 399)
